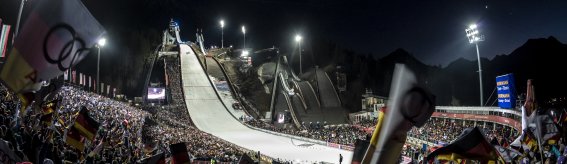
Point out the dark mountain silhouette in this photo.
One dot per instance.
(457, 83)
(539, 59)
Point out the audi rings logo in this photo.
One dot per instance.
(71, 49)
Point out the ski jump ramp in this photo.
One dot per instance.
(210, 115)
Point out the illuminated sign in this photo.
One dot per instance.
(506, 91)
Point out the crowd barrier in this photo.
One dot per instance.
(319, 142)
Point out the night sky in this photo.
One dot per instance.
(433, 31)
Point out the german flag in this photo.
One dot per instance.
(47, 110)
(86, 125)
(471, 144)
(73, 138)
(179, 153)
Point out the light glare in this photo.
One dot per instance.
(102, 42)
(297, 38)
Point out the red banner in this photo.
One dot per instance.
(497, 119)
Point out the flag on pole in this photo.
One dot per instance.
(74, 74)
(367, 148)
(4, 39)
(409, 105)
(86, 125)
(471, 144)
(65, 75)
(57, 35)
(48, 110)
(74, 139)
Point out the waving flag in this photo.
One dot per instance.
(471, 144)
(57, 35)
(48, 110)
(73, 138)
(86, 125)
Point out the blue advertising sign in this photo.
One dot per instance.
(506, 91)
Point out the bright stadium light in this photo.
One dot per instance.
(101, 43)
(474, 37)
(222, 33)
(245, 53)
(244, 32)
(298, 40)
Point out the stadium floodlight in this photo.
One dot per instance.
(222, 33)
(474, 37)
(101, 43)
(244, 32)
(298, 40)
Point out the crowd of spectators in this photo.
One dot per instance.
(33, 139)
(436, 130)
(344, 134)
(442, 130)
(127, 134)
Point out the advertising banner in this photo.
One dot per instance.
(498, 119)
(506, 91)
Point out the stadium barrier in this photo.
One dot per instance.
(289, 136)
